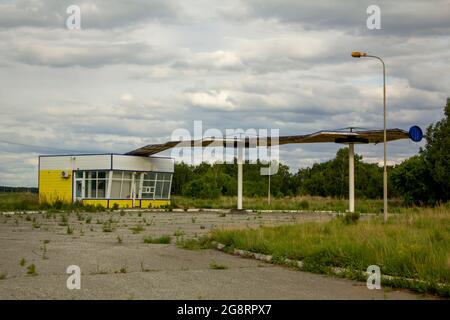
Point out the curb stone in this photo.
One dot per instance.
(298, 263)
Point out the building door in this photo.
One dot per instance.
(79, 186)
(136, 189)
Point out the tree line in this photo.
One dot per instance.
(421, 179)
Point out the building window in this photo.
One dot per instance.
(96, 183)
(156, 185)
(121, 185)
(124, 185)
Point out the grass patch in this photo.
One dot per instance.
(137, 229)
(215, 266)
(160, 240)
(23, 201)
(414, 245)
(107, 227)
(31, 270)
(124, 269)
(194, 243)
(64, 221)
(178, 233)
(310, 203)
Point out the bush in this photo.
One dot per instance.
(160, 240)
(350, 218)
(304, 205)
(202, 188)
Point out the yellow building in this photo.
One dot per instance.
(106, 179)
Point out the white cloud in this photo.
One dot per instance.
(211, 100)
(140, 69)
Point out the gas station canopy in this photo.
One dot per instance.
(365, 136)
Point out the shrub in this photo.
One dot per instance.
(31, 270)
(350, 218)
(304, 205)
(160, 240)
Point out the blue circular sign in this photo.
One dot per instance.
(415, 133)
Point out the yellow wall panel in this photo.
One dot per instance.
(95, 202)
(154, 203)
(52, 186)
(122, 203)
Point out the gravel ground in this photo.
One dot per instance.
(119, 265)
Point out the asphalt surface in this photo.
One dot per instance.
(119, 265)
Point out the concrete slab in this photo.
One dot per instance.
(131, 269)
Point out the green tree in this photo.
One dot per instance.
(437, 154)
(411, 180)
(426, 177)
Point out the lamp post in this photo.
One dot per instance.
(362, 55)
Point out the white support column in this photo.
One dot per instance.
(133, 189)
(141, 184)
(351, 178)
(108, 192)
(240, 156)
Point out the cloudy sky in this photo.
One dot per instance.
(139, 69)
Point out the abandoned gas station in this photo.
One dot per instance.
(139, 179)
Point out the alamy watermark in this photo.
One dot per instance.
(74, 280)
(73, 21)
(214, 145)
(374, 277)
(374, 20)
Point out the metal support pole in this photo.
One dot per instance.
(385, 191)
(351, 177)
(240, 155)
(268, 192)
(385, 146)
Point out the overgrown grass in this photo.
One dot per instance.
(159, 240)
(215, 266)
(291, 203)
(10, 201)
(412, 245)
(137, 229)
(194, 243)
(31, 270)
(30, 201)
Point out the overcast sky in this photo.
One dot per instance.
(139, 69)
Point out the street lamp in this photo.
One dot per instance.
(357, 54)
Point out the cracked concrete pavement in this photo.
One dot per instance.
(131, 269)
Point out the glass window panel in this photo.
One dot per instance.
(151, 176)
(79, 174)
(127, 175)
(92, 186)
(117, 175)
(101, 174)
(158, 189)
(92, 174)
(126, 189)
(79, 189)
(115, 189)
(101, 191)
(166, 189)
(148, 183)
(147, 195)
